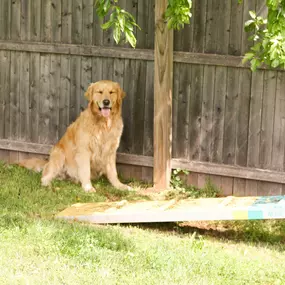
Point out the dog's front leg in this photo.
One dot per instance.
(113, 176)
(83, 165)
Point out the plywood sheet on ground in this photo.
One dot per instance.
(204, 209)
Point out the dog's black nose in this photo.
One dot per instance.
(106, 102)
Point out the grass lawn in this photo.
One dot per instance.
(37, 249)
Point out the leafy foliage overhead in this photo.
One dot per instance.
(268, 35)
(123, 23)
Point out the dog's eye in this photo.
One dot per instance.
(100, 91)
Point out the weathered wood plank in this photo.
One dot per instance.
(66, 21)
(211, 26)
(251, 187)
(236, 27)
(36, 20)
(16, 19)
(242, 128)
(207, 112)
(231, 113)
(184, 95)
(5, 57)
(86, 78)
(279, 124)
(46, 21)
(195, 111)
(75, 90)
(15, 95)
(118, 52)
(147, 173)
(222, 25)
(245, 42)
(129, 87)
(64, 100)
(139, 107)
(5, 19)
(76, 21)
(24, 122)
(218, 115)
(55, 67)
(163, 76)
(26, 19)
(87, 21)
(44, 120)
(96, 69)
(56, 18)
(243, 117)
(255, 119)
(199, 25)
(34, 96)
(268, 105)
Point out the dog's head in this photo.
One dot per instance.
(105, 97)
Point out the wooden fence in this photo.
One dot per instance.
(228, 123)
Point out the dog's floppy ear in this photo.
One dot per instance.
(89, 91)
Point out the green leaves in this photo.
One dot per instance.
(121, 22)
(268, 35)
(178, 13)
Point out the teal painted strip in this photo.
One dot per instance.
(255, 214)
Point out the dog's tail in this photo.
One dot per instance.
(35, 164)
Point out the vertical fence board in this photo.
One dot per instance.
(15, 23)
(46, 21)
(218, 115)
(75, 90)
(14, 95)
(195, 112)
(64, 100)
(269, 91)
(5, 19)
(207, 112)
(199, 25)
(35, 20)
(55, 94)
(34, 95)
(236, 27)
(25, 19)
(44, 120)
(86, 75)
(128, 104)
(279, 124)
(184, 94)
(66, 21)
(223, 26)
(138, 107)
(97, 69)
(242, 128)
(87, 21)
(76, 21)
(25, 130)
(231, 114)
(56, 18)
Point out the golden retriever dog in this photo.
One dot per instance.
(88, 148)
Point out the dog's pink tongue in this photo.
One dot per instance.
(105, 112)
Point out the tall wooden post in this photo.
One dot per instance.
(163, 75)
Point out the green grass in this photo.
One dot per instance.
(37, 249)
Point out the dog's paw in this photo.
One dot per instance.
(45, 182)
(124, 187)
(88, 188)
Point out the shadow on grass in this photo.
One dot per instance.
(270, 232)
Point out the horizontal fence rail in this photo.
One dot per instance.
(147, 161)
(117, 52)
